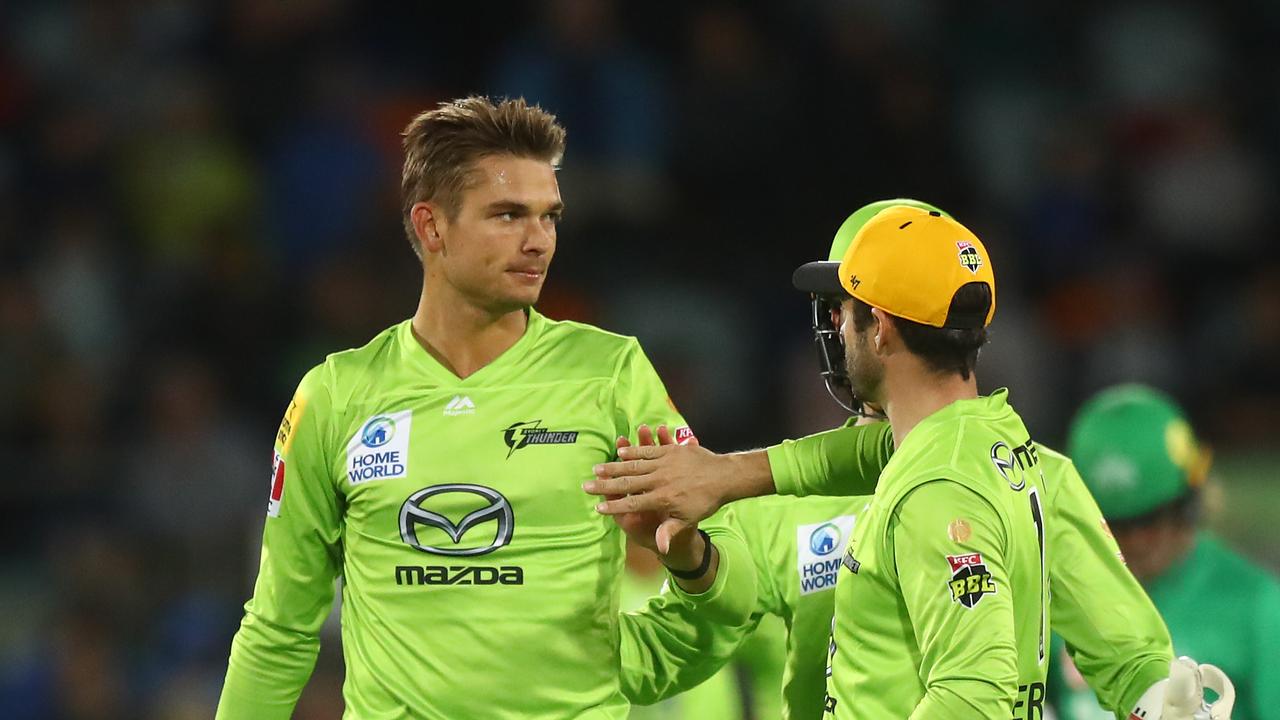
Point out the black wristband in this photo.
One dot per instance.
(702, 568)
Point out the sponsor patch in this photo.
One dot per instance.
(380, 448)
(818, 548)
(969, 256)
(277, 486)
(523, 434)
(970, 581)
(684, 435)
(284, 435)
(1014, 462)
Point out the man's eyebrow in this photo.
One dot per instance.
(516, 206)
(506, 205)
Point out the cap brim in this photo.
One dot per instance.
(819, 278)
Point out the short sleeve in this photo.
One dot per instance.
(642, 399)
(845, 461)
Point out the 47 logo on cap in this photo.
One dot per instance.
(970, 581)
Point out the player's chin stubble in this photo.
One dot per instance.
(865, 374)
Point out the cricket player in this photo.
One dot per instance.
(796, 543)
(437, 470)
(1143, 463)
(910, 614)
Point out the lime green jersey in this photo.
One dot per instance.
(1221, 609)
(1118, 638)
(477, 579)
(942, 606)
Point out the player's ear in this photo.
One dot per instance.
(429, 222)
(882, 329)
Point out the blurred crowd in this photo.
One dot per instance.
(199, 200)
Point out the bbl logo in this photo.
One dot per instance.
(970, 581)
(523, 434)
(969, 256)
(825, 539)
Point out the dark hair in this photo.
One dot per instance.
(944, 349)
(442, 145)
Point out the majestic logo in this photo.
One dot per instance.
(969, 256)
(970, 581)
(817, 552)
(416, 515)
(277, 486)
(460, 405)
(380, 449)
(824, 539)
(1013, 462)
(523, 434)
(378, 432)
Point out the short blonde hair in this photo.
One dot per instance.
(441, 147)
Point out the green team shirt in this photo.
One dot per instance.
(1221, 609)
(1119, 640)
(477, 579)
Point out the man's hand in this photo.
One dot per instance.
(683, 484)
(642, 526)
(685, 549)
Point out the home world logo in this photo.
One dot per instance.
(380, 448)
(818, 548)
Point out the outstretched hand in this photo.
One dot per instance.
(643, 526)
(676, 485)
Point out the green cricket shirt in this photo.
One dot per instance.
(1221, 609)
(1119, 640)
(942, 603)
(477, 579)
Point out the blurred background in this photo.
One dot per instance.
(199, 200)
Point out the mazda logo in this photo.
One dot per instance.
(413, 514)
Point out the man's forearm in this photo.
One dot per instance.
(269, 665)
(747, 474)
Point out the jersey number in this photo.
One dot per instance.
(1037, 516)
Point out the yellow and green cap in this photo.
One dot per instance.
(907, 258)
(1135, 450)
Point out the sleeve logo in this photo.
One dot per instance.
(970, 581)
(289, 423)
(277, 486)
(684, 435)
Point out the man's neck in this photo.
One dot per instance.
(913, 393)
(462, 336)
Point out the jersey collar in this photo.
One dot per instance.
(417, 356)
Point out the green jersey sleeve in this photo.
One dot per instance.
(642, 399)
(273, 653)
(840, 462)
(1114, 633)
(669, 645)
(968, 654)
